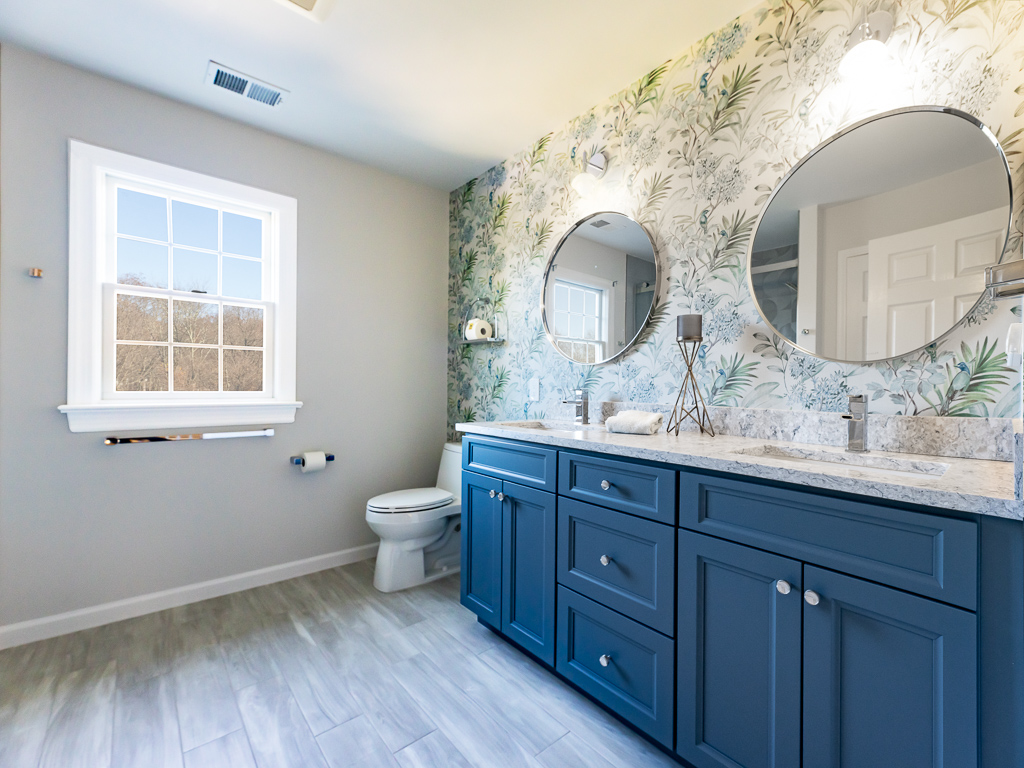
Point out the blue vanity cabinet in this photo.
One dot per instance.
(508, 541)
(888, 678)
(482, 533)
(623, 664)
(621, 561)
(738, 643)
(528, 570)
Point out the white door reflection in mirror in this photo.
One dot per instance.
(924, 281)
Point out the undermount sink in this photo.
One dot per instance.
(882, 465)
(559, 426)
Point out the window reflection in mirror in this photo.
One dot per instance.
(599, 288)
(876, 244)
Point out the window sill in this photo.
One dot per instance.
(101, 417)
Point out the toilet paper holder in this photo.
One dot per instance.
(298, 461)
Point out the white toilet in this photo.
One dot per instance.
(419, 528)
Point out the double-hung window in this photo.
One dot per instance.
(580, 321)
(181, 298)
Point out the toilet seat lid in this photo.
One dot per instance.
(412, 499)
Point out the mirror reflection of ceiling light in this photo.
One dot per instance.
(596, 166)
(866, 51)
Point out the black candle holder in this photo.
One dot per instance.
(698, 412)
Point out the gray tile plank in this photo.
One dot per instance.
(318, 688)
(245, 637)
(206, 702)
(394, 714)
(505, 700)
(146, 726)
(231, 751)
(612, 740)
(24, 719)
(277, 730)
(444, 608)
(144, 648)
(480, 739)
(397, 606)
(432, 751)
(103, 642)
(82, 720)
(571, 751)
(355, 609)
(355, 744)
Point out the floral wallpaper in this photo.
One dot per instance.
(695, 148)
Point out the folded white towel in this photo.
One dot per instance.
(635, 422)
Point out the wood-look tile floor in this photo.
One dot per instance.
(320, 671)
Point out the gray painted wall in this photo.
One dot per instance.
(81, 523)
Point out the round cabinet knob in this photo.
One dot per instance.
(493, 494)
(605, 485)
(811, 597)
(501, 497)
(605, 560)
(605, 660)
(783, 586)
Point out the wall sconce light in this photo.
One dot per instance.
(866, 49)
(595, 168)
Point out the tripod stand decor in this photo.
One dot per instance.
(689, 401)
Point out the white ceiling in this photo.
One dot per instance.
(620, 233)
(436, 91)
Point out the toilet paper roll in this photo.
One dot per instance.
(478, 329)
(313, 461)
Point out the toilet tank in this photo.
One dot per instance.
(449, 475)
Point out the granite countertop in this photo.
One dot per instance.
(980, 486)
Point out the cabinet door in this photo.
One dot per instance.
(481, 547)
(739, 656)
(889, 678)
(528, 570)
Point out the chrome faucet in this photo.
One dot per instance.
(857, 418)
(582, 403)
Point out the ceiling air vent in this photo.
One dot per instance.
(249, 87)
(600, 223)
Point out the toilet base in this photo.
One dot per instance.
(399, 567)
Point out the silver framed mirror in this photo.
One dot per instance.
(874, 246)
(601, 285)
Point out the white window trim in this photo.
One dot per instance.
(88, 170)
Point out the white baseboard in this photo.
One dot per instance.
(86, 618)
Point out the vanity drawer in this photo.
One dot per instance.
(633, 487)
(931, 555)
(638, 682)
(521, 463)
(620, 561)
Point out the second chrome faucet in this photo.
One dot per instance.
(857, 423)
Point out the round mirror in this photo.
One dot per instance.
(875, 245)
(600, 287)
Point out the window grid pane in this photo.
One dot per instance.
(215, 346)
(142, 229)
(578, 323)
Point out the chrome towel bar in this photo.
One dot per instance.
(175, 438)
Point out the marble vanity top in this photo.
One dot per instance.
(980, 486)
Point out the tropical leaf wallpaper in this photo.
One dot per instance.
(695, 148)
